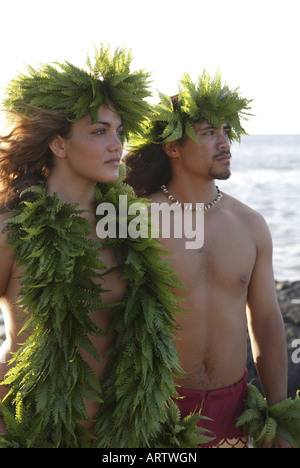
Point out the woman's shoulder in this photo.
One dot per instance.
(4, 217)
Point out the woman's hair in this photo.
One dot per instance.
(25, 155)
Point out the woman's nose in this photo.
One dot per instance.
(116, 144)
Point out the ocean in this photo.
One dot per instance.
(266, 177)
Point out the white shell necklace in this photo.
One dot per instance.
(188, 206)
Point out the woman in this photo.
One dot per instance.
(67, 135)
(81, 155)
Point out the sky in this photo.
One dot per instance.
(255, 44)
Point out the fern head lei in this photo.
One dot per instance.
(63, 88)
(207, 100)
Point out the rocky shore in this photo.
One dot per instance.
(289, 300)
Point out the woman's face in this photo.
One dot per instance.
(93, 151)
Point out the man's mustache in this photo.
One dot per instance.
(222, 153)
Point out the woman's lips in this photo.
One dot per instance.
(113, 162)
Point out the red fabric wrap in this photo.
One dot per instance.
(223, 406)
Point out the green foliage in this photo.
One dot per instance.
(58, 290)
(177, 433)
(69, 90)
(143, 358)
(207, 100)
(266, 423)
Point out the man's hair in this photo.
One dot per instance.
(173, 119)
(148, 170)
(25, 155)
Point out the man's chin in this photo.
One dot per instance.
(223, 176)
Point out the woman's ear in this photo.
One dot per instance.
(58, 146)
(171, 149)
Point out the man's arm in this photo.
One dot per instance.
(265, 323)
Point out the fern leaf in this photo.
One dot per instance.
(248, 416)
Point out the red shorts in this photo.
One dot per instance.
(223, 406)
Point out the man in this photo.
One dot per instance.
(229, 281)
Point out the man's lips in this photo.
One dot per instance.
(223, 156)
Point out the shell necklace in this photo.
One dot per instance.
(188, 206)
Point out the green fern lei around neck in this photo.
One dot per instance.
(50, 377)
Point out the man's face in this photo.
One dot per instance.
(209, 158)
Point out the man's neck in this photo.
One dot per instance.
(192, 192)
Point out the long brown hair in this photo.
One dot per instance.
(25, 155)
(149, 168)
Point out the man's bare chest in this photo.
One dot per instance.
(226, 258)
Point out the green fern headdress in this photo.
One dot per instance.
(207, 100)
(74, 92)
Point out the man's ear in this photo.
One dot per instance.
(171, 149)
(58, 146)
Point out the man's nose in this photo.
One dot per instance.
(223, 141)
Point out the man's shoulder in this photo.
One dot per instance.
(157, 197)
(241, 208)
(254, 220)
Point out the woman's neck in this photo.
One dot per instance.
(72, 191)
